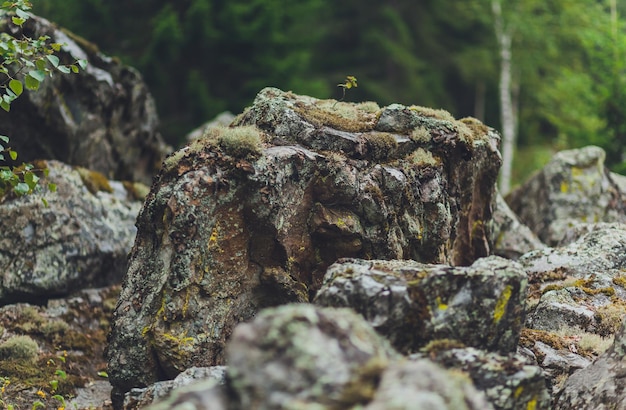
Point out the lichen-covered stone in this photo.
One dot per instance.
(303, 356)
(225, 231)
(170, 392)
(80, 239)
(573, 187)
(422, 384)
(508, 381)
(512, 239)
(102, 118)
(581, 284)
(413, 304)
(601, 385)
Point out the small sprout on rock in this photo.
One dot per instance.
(350, 82)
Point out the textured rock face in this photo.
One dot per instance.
(103, 118)
(251, 216)
(509, 382)
(512, 239)
(302, 355)
(574, 187)
(578, 294)
(601, 385)
(81, 239)
(413, 304)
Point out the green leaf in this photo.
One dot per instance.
(18, 21)
(5, 106)
(21, 188)
(21, 13)
(38, 75)
(82, 63)
(52, 187)
(16, 86)
(13, 154)
(31, 180)
(54, 60)
(31, 82)
(56, 46)
(103, 374)
(64, 69)
(4, 139)
(74, 68)
(45, 202)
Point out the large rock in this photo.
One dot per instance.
(251, 216)
(80, 239)
(102, 118)
(602, 384)
(578, 298)
(299, 355)
(413, 304)
(574, 187)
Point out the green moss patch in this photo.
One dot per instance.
(339, 115)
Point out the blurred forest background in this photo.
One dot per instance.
(566, 71)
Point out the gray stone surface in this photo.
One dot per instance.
(412, 304)
(601, 385)
(251, 216)
(303, 356)
(573, 187)
(102, 118)
(81, 239)
(202, 378)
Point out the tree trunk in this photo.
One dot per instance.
(507, 110)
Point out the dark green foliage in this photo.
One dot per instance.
(201, 57)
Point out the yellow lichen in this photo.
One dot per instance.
(440, 304)
(502, 303)
(94, 181)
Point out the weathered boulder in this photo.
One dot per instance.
(601, 385)
(80, 239)
(573, 187)
(578, 299)
(303, 356)
(102, 118)
(512, 239)
(421, 384)
(251, 216)
(413, 304)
